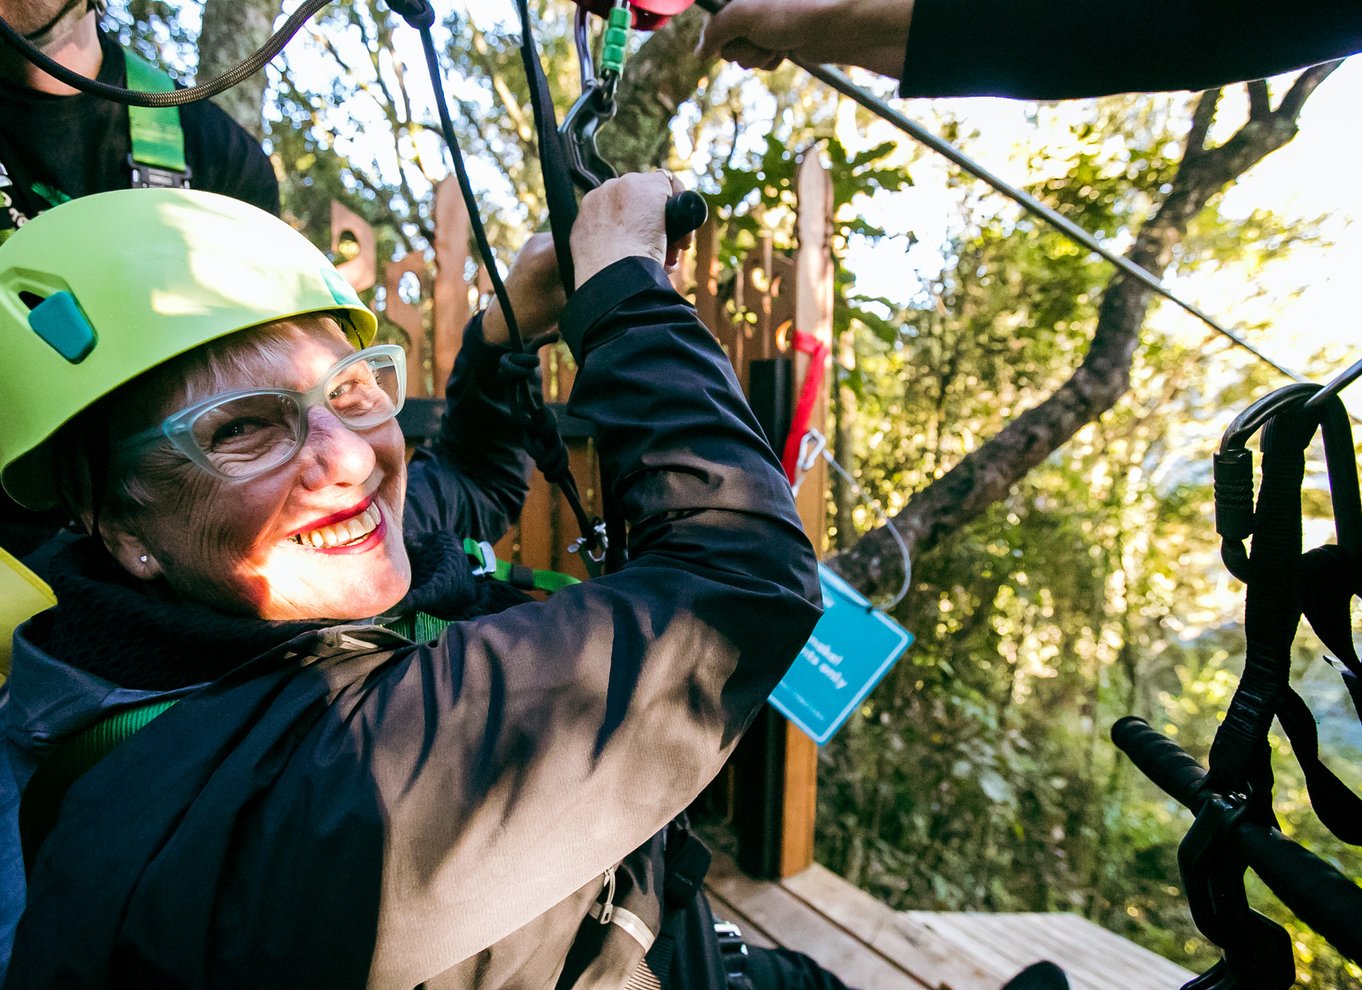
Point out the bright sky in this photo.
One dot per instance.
(1313, 176)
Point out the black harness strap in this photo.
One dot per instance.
(545, 444)
(1283, 585)
(1335, 804)
(1239, 757)
(559, 193)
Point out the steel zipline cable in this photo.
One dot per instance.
(839, 81)
(177, 97)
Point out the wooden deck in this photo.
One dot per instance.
(874, 948)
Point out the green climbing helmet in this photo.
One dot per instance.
(100, 289)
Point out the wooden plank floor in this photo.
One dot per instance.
(872, 947)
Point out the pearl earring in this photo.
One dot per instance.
(143, 558)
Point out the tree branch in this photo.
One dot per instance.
(987, 474)
(1306, 83)
(661, 76)
(1202, 118)
(1260, 101)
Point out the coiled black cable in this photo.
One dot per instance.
(175, 97)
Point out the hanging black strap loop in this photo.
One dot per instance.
(553, 160)
(1335, 805)
(1272, 611)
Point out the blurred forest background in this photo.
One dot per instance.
(1040, 432)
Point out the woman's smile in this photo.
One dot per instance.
(351, 531)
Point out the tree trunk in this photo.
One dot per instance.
(659, 78)
(985, 476)
(232, 30)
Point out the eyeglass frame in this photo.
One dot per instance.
(178, 427)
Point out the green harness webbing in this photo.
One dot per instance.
(157, 137)
(516, 575)
(157, 158)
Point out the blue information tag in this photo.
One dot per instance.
(851, 648)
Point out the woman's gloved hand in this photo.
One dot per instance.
(536, 293)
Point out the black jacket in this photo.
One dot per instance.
(351, 807)
(1055, 49)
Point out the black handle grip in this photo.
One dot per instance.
(685, 212)
(1160, 759)
(1313, 889)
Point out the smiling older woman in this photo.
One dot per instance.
(320, 800)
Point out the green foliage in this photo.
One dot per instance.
(979, 775)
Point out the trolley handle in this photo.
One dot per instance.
(685, 213)
(1313, 889)
(1160, 759)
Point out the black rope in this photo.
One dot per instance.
(470, 200)
(176, 97)
(542, 439)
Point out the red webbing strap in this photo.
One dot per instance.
(805, 343)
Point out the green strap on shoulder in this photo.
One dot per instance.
(157, 138)
(87, 748)
(515, 574)
(422, 628)
(99, 739)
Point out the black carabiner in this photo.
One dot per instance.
(579, 131)
(685, 212)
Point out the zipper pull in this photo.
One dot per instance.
(608, 906)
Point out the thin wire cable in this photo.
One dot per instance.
(840, 82)
(887, 523)
(177, 97)
(807, 458)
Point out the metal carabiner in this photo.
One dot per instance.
(686, 211)
(579, 131)
(812, 446)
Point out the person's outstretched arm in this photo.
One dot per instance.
(1041, 49)
(1056, 49)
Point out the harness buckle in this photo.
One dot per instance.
(483, 553)
(146, 176)
(608, 893)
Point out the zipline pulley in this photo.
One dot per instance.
(597, 105)
(646, 15)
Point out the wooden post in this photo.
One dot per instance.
(451, 281)
(813, 315)
(409, 317)
(361, 271)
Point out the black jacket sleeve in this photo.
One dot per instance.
(1056, 49)
(558, 736)
(472, 478)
